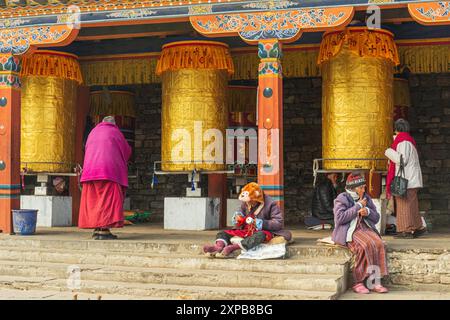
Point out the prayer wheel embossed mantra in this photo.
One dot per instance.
(194, 101)
(357, 102)
(50, 83)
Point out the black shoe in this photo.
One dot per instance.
(95, 234)
(420, 232)
(109, 236)
(404, 235)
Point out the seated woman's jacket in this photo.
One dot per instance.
(268, 218)
(346, 217)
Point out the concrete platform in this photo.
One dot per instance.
(148, 262)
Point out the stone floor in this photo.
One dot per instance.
(439, 239)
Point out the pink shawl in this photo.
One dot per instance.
(107, 154)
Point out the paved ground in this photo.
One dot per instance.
(439, 239)
(156, 233)
(395, 294)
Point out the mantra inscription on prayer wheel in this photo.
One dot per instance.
(357, 103)
(194, 105)
(50, 81)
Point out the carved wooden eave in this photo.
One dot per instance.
(26, 24)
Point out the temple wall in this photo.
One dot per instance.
(430, 123)
(429, 117)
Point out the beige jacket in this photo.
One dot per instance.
(411, 160)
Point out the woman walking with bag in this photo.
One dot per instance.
(403, 149)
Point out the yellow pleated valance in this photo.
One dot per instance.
(242, 99)
(297, 62)
(195, 55)
(121, 71)
(425, 59)
(52, 64)
(115, 103)
(362, 41)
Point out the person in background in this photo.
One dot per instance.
(355, 217)
(322, 204)
(409, 221)
(104, 180)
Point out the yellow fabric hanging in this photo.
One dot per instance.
(120, 71)
(195, 55)
(362, 41)
(426, 58)
(241, 99)
(120, 103)
(52, 64)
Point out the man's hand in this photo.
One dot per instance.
(363, 212)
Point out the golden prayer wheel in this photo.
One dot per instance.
(194, 101)
(117, 103)
(357, 102)
(50, 81)
(402, 99)
(242, 115)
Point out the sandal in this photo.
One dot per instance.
(380, 289)
(360, 288)
(105, 235)
(420, 232)
(404, 235)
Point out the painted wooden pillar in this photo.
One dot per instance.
(9, 139)
(270, 121)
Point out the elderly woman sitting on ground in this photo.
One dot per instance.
(355, 216)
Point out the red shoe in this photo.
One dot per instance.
(360, 288)
(380, 289)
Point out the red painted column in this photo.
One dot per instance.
(82, 113)
(9, 139)
(270, 121)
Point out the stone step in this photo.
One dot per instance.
(178, 261)
(158, 291)
(296, 251)
(280, 281)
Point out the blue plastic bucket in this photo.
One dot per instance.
(24, 221)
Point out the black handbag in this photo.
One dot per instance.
(399, 185)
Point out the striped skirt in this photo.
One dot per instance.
(369, 253)
(407, 212)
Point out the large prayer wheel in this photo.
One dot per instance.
(402, 99)
(117, 103)
(194, 101)
(357, 101)
(50, 81)
(242, 115)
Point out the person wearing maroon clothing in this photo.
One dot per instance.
(258, 220)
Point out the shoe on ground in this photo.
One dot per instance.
(420, 232)
(360, 288)
(404, 235)
(380, 289)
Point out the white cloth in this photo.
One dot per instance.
(264, 251)
(413, 173)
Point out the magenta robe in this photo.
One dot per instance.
(104, 178)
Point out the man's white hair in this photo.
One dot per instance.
(109, 119)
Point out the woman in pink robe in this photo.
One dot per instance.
(104, 180)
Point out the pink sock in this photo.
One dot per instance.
(217, 247)
(229, 249)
